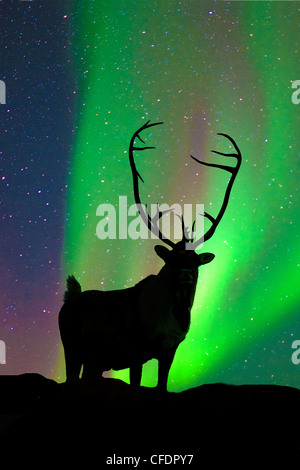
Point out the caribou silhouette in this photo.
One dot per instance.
(104, 330)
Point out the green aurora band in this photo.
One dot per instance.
(201, 68)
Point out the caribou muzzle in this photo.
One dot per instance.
(186, 276)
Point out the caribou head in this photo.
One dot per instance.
(182, 257)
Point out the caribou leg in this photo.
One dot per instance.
(164, 364)
(73, 364)
(135, 374)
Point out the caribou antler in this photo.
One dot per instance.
(152, 223)
(233, 170)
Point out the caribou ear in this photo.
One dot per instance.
(162, 252)
(204, 258)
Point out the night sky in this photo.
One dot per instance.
(37, 126)
(80, 78)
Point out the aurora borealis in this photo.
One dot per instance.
(202, 68)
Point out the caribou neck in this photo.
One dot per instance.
(181, 295)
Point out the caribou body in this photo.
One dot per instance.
(103, 330)
(126, 328)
